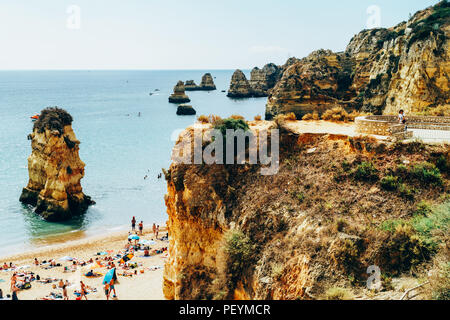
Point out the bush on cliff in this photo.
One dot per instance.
(366, 171)
(53, 119)
(231, 123)
(427, 173)
(240, 251)
(337, 114)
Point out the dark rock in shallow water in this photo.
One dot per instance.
(178, 95)
(185, 110)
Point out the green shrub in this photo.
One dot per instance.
(423, 209)
(240, 250)
(231, 123)
(427, 173)
(442, 164)
(389, 183)
(366, 171)
(53, 119)
(406, 192)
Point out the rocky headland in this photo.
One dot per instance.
(381, 71)
(260, 83)
(55, 168)
(338, 205)
(179, 95)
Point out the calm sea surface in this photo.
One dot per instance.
(118, 147)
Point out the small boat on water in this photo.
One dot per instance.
(35, 117)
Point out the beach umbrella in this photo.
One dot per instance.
(133, 237)
(110, 275)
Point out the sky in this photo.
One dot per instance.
(194, 34)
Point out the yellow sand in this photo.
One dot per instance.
(146, 286)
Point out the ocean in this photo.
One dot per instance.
(119, 147)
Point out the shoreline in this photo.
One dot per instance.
(145, 284)
(73, 239)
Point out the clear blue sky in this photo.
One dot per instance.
(183, 34)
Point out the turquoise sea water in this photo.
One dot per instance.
(118, 147)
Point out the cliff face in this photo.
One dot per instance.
(260, 84)
(381, 71)
(178, 95)
(235, 234)
(55, 168)
(239, 86)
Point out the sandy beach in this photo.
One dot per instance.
(140, 286)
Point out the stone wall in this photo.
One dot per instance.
(387, 125)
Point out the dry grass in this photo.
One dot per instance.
(336, 293)
(257, 118)
(212, 118)
(237, 117)
(337, 114)
(311, 116)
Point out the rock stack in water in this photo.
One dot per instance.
(207, 82)
(190, 85)
(55, 169)
(239, 86)
(260, 84)
(185, 110)
(178, 95)
(262, 80)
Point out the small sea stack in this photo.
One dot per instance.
(239, 86)
(55, 168)
(185, 110)
(178, 95)
(207, 82)
(190, 85)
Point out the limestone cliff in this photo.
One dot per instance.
(178, 95)
(239, 86)
(260, 84)
(381, 71)
(319, 222)
(55, 168)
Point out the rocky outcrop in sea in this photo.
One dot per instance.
(185, 110)
(207, 84)
(179, 95)
(55, 168)
(260, 84)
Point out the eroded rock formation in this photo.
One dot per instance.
(239, 86)
(190, 85)
(55, 168)
(185, 110)
(235, 234)
(179, 95)
(381, 71)
(260, 84)
(207, 84)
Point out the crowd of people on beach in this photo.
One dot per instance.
(22, 279)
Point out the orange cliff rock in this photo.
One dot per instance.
(381, 71)
(235, 234)
(55, 168)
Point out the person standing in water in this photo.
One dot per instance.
(133, 224)
(157, 231)
(154, 229)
